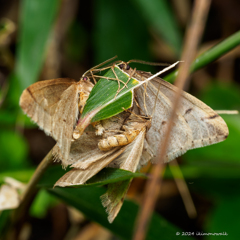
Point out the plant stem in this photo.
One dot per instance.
(29, 194)
(45, 163)
(210, 55)
(192, 38)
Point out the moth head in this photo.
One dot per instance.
(85, 85)
(124, 66)
(85, 79)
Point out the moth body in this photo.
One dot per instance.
(84, 89)
(126, 141)
(131, 130)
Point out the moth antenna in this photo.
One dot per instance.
(99, 65)
(149, 63)
(93, 77)
(106, 67)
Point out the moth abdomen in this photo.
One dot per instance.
(118, 140)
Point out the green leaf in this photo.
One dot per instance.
(122, 28)
(105, 176)
(33, 35)
(5, 221)
(161, 18)
(41, 204)
(103, 96)
(110, 98)
(13, 150)
(87, 201)
(112, 175)
(36, 21)
(22, 176)
(218, 223)
(210, 55)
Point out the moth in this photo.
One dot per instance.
(56, 104)
(196, 124)
(87, 159)
(131, 140)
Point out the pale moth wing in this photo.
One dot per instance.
(88, 163)
(85, 156)
(196, 124)
(40, 100)
(129, 160)
(53, 105)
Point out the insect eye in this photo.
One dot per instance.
(121, 66)
(124, 66)
(85, 78)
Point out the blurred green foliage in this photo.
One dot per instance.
(125, 29)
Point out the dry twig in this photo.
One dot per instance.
(193, 36)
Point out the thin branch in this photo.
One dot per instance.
(183, 189)
(227, 111)
(193, 36)
(29, 193)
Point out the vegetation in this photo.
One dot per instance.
(54, 39)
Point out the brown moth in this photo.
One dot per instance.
(125, 155)
(128, 140)
(196, 124)
(54, 105)
(138, 138)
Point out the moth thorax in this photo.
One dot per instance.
(85, 86)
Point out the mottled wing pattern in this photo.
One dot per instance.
(53, 105)
(64, 120)
(196, 124)
(78, 176)
(129, 160)
(40, 100)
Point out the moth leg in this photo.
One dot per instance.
(118, 80)
(99, 128)
(93, 77)
(125, 85)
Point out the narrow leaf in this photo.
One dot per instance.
(210, 55)
(34, 33)
(103, 96)
(161, 18)
(106, 176)
(87, 201)
(106, 101)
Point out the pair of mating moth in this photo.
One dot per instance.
(127, 140)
